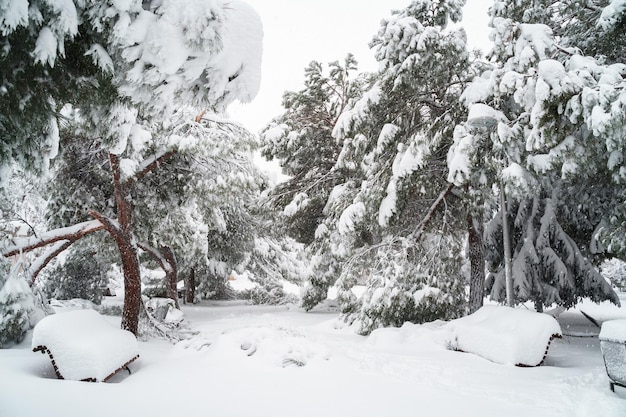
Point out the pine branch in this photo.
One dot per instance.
(157, 255)
(111, 226)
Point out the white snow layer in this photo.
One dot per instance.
(12, 14)
(350, 217)
(405, 163)
(194, 53)
(84, 344)
(614, 330)
(505, 335)
(611, 14)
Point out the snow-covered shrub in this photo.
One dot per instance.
(410, 283)
(615, 271)
(213, 287)
(17, 307)
(81, 276)
(268, 295)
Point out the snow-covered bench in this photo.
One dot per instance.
(83, 346)
(505, 335)
(613, 344)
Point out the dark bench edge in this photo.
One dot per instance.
(44, 350)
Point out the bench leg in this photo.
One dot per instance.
(612, 385)
(128, 369)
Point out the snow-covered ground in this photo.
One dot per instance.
(280, 361)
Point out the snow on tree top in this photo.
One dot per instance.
(84, 345)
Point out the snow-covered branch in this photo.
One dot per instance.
(150, 165)
(157, 255)
(72, 233)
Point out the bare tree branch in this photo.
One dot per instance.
(419, 231)
(151, 167)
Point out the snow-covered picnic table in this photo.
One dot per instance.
(84, 346)
(506, 335)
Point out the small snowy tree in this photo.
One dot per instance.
(82, 274)
(615, 271)
(18, 312)
(548, 267)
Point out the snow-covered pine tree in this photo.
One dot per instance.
(82, 274)
(558, 121)
(22, 210)
(301, 139)
(148, 59)
(548, 267)
(18, 311)
(395, 138)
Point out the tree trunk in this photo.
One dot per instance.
(171, 275)
(508, 273)
(132, 285)
(128, 249)
(190, 286)
(477, 264)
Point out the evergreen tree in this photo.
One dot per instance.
(81, 275)
(548, 267)
(18, 312)
(381, 227)
(301, 139)
(148, 59)
(547, 119)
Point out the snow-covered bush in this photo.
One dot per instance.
(408, 284)
(615, 271)
(268, 295)
(18, 313)
(81, 275)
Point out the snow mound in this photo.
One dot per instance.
(84, 346)
(268, 346)
(505, 335)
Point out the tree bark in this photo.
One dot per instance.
(477, 264)
(171, 275)
(167, 260)
(127, 246)
(190, 286)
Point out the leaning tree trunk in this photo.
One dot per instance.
(477, 264)
(126, 244)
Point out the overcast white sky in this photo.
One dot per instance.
(300, 31)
